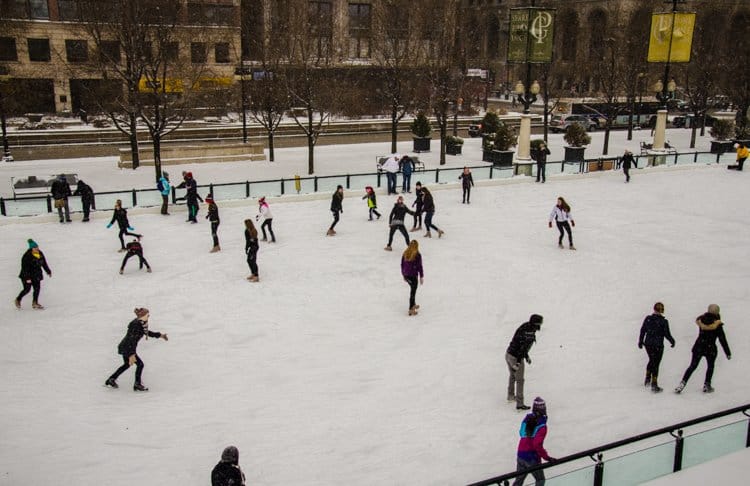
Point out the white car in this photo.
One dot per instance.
(559, 123)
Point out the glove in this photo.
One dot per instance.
(640, 345)
(257, 217)
(164, 337)
(49, 274)
(109, 225)
(130, 228)
(572, 223)
(550, 224)
(528, 360)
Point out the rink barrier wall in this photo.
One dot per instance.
(148, 198)
(653, 461)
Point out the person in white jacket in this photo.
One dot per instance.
(391, 168)
(264, 213)
(561, 215)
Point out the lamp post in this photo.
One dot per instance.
(664, 93)
(526, 94)
(4, 77)
(239, 75)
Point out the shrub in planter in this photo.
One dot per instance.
(421, 129)
(453, 145)
(451, 140)
(577, 139)
(505, 137)
(722, 129)
(490, 123)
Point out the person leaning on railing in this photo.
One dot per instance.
(742, 153)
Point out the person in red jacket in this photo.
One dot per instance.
(531, 445)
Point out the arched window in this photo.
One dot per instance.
(493, 37)
(570, 35)
(598, 31)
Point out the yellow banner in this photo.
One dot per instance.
(173, 85)
(671, 41)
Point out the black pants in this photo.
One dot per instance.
(86, 209)
(710, 360)
(626, 170)
(467, 194)
(252, 256)
(738, 165)
(413, 283)
(402, 229)
(164, 203)
(562, 227)
(192, 207)
(124, 231)
(27, 286)
(654, 360)
(269, 224)
(335, 219)
(214, 232)
(375, 212)
(522, 465)
(541, 171)
(142, 261)
(428, 221)
(125, 365)
(418, 217)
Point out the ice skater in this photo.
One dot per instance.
(87, 198)
(516, 354)
(417, 205)
(337, 207)
(227, 472)
(531, 444)
(137, 328)
(213, 218)
(540, 156)
(372, 202)
(428, 206)
(710, 328)
(467, 182)
(561, 216)
(396, 221)
(191, 196)
(264, 213)
(120, 215)
(251, 249)
(32, 264)
(627, 161)
(413, 273)
(654, 330)
(134, 248)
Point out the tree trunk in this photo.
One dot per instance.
(630, 119)
(270, 146)
(156, 138)
(607, 128)
(394, 130)
(133, 136)
(693, 131)
(443, 132)
(310, 143)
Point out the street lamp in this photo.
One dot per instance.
(664, 93)
(4, 77)
(527, 96)
(239, 75)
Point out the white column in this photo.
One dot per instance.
(524, 139)
(660, 130)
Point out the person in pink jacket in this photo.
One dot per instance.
(531, 445)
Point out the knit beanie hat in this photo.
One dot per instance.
(713, 309)
(32, 243)
(230, 455)
(536, 319)
(209, 199)
(539, 407)
(140, 311)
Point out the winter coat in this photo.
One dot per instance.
(398, 213)
(559, 215)
(336, 202)
(372, 201)
(428, 204)
(84, 190)
(531, 445)
(31, 267)
(705, 344)
(523, 339)
(412, 268)
(418, 201)
(213, 213)
(134, 248)
(407, 165)
(540, 155)
(136, 330)
(121, 216)
(227, 474)
(627, 160)
(390, 165)
(654, 330)
(264, 212)
(742, 153)
(466, 180)
(163, 186)
(191, 186)
(60, 188)
(251, 244)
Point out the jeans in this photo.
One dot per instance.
(413, 282)
(516, 368)
(710, 360)
(335, 219)
(562, 227)
(406, 183)
(522, 465)
(268, 223)
(391, 177)
(214, 232)
(541, 171)
(252, 261)
(467, 194)
(428, 221)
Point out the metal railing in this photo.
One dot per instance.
(650, 463)
(36, 205)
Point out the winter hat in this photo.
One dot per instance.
(536, 319)
(262, 200)
(539, 407)
(713, 309)
(140, 311)
(230, 455)
(209, 199)
(32, 243)
(189, 175)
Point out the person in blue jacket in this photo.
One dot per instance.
(654, 330)
(407, 168)
(531, 449)
(163, 186)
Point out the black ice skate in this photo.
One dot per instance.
(111, 382)
(139, 387)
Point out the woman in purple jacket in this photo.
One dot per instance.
(411, 268)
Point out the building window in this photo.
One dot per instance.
(221, 52)
(24, 9)
(321, 27)
(198, 53)
(38, 50)
(171, 51)
(202, 14)
(77, 50)
(109, 51)
(8, 50)
(397, 30)
(38, 9)
(359, 30)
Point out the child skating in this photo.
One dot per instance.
(372, 203)
(561, 216)
(266, 218)
(251, 249)
(213, 218)
(120, 215)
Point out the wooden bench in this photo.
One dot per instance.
(380, 160)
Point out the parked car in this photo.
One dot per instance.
(559, 123)
(687, 121)
(600, 120)
(475, 130)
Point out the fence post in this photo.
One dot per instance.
(378, 179)
(2, 206)
(247, 189)
(747, 441)
(695, 157)
(718, 156)
(135, 199)
(347, 181)
(49, 203)
(282, 186)
(491, 167)
(599, 471)
(437, 175)
(174, 195)
(315, 184)
(211, 189)
(678, 447)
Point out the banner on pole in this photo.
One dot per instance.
(671, 37)
(531, 35)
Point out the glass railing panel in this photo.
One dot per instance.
(706, 158)
(579, 477)
(641, 466)
(268, 189)
(480, 173)
(685, 158)
(449, 175)
(328, 184)
(507, 172)
(148, 198)
(27, 207)
(718, 442)
(359, 182)
(229, 192)
(105, 202)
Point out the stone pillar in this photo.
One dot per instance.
(524, 139)
(660, 130)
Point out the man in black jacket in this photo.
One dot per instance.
(227, 472)
(60, 192)
(710, 328)
(396, 221)
(191, 197)
(32, 263)
(540, 155)
(87, 198)
(654, 330)
(337, 207)
(517, 353)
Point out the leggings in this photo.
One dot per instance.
(654, 359)
(125, 365)
(428, 221)
(375, 212)
(562, 227)
(251, 261)
(124, 231)
(36, 284)
(268, 223)
(141, 260)
(710, 360)
(335, 219)
(214, 234)
(403, 231)
(467, 194)
(418, 217)
(413, 282)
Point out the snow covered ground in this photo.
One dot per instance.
(317, 374)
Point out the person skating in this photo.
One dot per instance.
(531, 450)
(120, 215)
(191, 196)
(413, 273)
(87, 198)
(137, 328)
(518, 353)
(61, 192)
(251, 249)
(417, 204)
(337, 207)
(134, 248)
(264, 213)
(213, 218)
(654, 330)
(467, 182)
(742, 153)
(540, 156)
(372, 202)
(396, 221)
(561, 216)
(227, 472)
(164, 188)
(710, 328)
(627, 161)
(32, 264)
(428, 206)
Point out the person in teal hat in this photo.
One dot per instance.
(32, 264)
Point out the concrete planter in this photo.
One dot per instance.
(421, 144)
(453, 148)
(721, 146)
(574, 154)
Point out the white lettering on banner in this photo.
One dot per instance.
(540, 26)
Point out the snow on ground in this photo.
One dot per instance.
(317, 374)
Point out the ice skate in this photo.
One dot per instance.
(522, 407)
(680, 387)
(330, 232)
(148, 270)
(388, 248)
(111, 382)
(253, 278)
(412, 311)
(707, 388)
(264, 239)
(428, 235)
(647, 381)
(560, 246)
(121, 250)
(656, 388)
(440, 233)
(121, 271)
(37, 305)
(572, 247)
(139, 387)
(215, 249)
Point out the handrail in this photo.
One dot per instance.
(613, 445)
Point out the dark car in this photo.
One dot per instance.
(475, 130)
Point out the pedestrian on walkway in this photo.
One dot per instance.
(32, 264)
(518, 353)
(531, 444)
(264, 213)
(540, 156)
(391, 167)
(654, 330)
(710, 328)
(251, 249)
(60, 193)
(467, 182)
(120, 215)
(407, 168)
(87, 198)
(413, 273)
(627, 161)
(336, 208)
(164, 188)
(561, 216)
(213, 218)
(396, 221)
